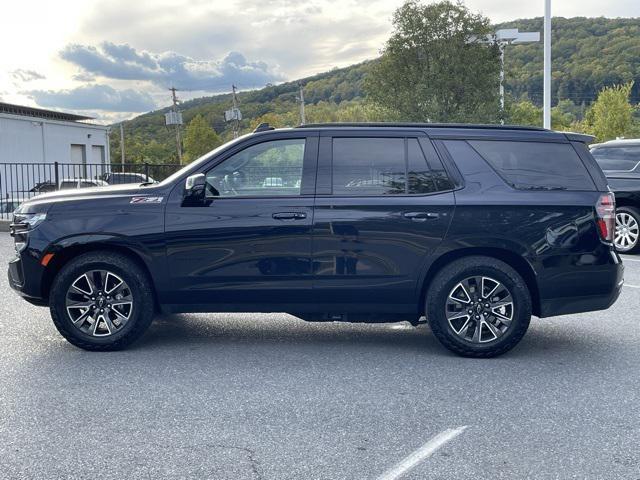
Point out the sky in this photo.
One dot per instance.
(114, 59)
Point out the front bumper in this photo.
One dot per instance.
(25, 277)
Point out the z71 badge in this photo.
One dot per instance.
(146, 199)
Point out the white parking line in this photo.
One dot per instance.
(627, 259)
(421, 454)
(631, 286)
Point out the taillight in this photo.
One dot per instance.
(606, 211)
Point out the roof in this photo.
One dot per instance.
(423, 125)
(40, 113)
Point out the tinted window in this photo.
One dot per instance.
(368, 166)
(531, 165)
(420, 177)
(266, 169)
(440, 176)
(621, 159)
(68, 185)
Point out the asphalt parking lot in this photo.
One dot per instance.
(240, 396)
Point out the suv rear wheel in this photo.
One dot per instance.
(101, 301)
(478, 307)
(627, 235)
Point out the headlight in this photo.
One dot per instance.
(22, 224)
(29, 220)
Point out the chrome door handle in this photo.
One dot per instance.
(289, 216)
(421, 216)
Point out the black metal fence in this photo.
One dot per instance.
(21, 181)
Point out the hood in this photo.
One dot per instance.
(45, 200)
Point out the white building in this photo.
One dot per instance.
(33, 139)
(34, 135)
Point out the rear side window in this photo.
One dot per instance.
(382, 166)
(368, 166)
(617, 159)
(536, 165)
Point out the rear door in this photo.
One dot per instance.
(381, 210)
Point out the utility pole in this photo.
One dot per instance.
(547, 65)
(236, 120)
(122, 145)
(233, 114)
(501, 46)
(177, 124)
(301, 100)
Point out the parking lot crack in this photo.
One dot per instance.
(251, 456)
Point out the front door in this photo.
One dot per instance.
(381, 210)
(249, 245)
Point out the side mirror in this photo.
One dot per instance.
(195, 187)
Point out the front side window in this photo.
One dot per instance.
(617, 159)
(266, 169)
(536, 165)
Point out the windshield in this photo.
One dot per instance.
(196, 164)
(617, 159)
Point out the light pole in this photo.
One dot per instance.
(510, 36)
(546, 116)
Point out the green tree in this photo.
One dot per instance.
(611, 115)
(523, 113)
(199, 138)
(432, 70)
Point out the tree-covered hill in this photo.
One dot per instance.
(588, 54)
(148, 139)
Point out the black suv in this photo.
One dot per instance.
(475, 228)
(620, 160)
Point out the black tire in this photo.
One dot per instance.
(455, 273)
(137, 281)
(635, 214)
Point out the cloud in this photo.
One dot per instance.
(301, 38)
(94, 97)
(22, 75)
(123, 62)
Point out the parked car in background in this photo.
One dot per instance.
(119, 178)
(476, 228)
(7, 207)
(620, 161)
(43, 187)
(72, 183)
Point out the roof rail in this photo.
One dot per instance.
(424, 125)
(263, 127)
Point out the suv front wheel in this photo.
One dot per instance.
(478, 307)
(101, 301)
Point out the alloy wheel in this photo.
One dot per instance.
(627, 232)
(479, 309)
(99, 303)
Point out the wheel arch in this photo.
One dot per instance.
(65, 253)
(624, 201)
(515, 261)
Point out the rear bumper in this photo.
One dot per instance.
(589, 289)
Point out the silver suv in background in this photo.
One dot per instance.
(620, 161)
